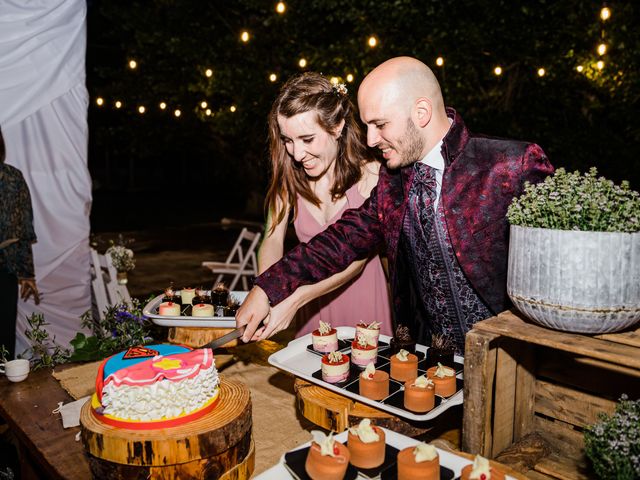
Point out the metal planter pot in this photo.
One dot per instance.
(585, 282)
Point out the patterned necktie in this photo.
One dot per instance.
(422, 196)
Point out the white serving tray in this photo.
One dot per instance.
(151, 311)
(296, 359)
(397, 440)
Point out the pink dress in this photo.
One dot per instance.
(364, 299)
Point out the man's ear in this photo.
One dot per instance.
(423, 111)
(338, 130)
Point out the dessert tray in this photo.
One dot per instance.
(151, 311)
(299, 359)
(289, 465)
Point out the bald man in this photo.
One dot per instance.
(439, 210)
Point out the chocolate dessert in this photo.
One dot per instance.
(402, 340)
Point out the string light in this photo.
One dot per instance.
(334, 80)
(163, 105)
(118, 104)
(141, 109)
(602, 49)
(281, 7)
(133, 64)
(100, 101)
(208, 72)
(273, 77)
(439, 61)
(244, 36)
(203, 104)
(349, 78)
(177, 113)
(579, 68)
(302, 63)
(605, 14)
(541, 72)
(498, 70)
(207, 112)
(373, 41)
(232, 108)
(600, 64)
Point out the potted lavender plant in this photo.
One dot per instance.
(574, 253)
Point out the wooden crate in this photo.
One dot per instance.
(523, 381)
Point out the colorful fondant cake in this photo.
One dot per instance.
(156, 386)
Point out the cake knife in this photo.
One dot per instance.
(226, 338)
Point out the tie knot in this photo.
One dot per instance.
(425, 174)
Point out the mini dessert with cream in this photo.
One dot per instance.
(444, 379)
(363, 352)
(335, 367)
(155, 383)
(170, 295)
(327, 459)
(201, 296)
(481, 470)
(169, 309)
(202, 310)
(419, 462)
(187, 294)
(371, 332)
(374, 384)
(325, 338)
(404, 366)
(419, 395)
(366, 444)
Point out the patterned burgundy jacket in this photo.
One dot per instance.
(481, 176)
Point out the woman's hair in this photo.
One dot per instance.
(312, 92)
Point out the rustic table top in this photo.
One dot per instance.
(27, 408)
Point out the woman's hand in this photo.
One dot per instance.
(280, 317)
(28, 288)
(251, 313)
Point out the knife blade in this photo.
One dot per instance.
(226, 338)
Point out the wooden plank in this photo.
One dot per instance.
(628, 338)
(505, 394)
(562, 438)
(525, 392)
(512, 325)
(569, 405)
(558, 466)
(599, 379)
(479, 373)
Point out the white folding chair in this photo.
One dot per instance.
(104, 283)
(241, 262)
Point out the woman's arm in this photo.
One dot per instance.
(272, 247)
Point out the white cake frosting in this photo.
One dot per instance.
(424, 452)
(365, 432)
(480, 467)
(442, 371)
(163, 399)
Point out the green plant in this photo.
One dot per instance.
(570, 201)
(4, 353)
(44, 351)
(613, 444)
(123, 326)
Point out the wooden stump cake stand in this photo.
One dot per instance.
(197, 337)
(336, 412)
(216, 446)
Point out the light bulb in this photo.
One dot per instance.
(100, 101)
(203, 104)
(177, 113)
(602, 49)
(141, 109)
(163, 105)
(118, 104)
(207, 112)
(281, 7)
(439, 61)
(541, 72)
(498, 70)
(232, 108)
(208, 72)
(273, 77)
(605, 13)
(133, 64)
(244, 36)
(600, 64)
(302, 63)
(349, 78)
(580, 68)
(373, 41)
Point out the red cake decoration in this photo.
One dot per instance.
(140, 352)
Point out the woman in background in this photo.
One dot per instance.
(320, 168)
(16, 257)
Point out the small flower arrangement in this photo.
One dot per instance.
(613, 444)
(121, 256)
(124, 326)
(571, 201)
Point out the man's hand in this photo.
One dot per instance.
(251, 313)
(27, 288)
(280, 317)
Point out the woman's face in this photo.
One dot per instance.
(308, 143)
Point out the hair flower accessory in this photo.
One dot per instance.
(340, 89)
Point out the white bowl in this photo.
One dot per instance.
(17, 378)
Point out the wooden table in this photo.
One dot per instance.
(46, 449)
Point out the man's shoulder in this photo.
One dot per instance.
(497, 144)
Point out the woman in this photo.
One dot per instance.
(16, 257)
(320, 168)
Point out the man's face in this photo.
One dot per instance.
(391, 129)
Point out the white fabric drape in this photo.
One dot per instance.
(43, 114)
